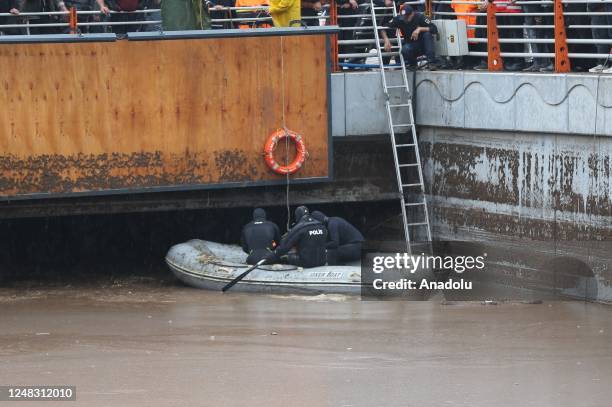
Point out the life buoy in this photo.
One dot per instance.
(300, 156)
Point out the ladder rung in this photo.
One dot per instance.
(418, 224)
(404, 145)
(411, 185)
(400, 105)
(396, 86)
(408, 165)
(415, 204)
(403, 125)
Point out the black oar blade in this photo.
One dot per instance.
(241, 276)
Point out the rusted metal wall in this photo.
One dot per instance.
(532, 198)
(518, 164)
(126, 116)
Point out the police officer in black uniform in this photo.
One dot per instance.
(309, 237)
(418, 32)
(259, 238)
(344, 240)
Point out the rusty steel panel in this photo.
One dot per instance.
(129, 116)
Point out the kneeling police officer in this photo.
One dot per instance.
(345, 240)
(259, 238)
(309, 237)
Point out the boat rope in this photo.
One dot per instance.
(286, 133)
(286, 267)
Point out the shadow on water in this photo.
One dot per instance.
(98, 248)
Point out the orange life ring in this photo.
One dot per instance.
(271, 144)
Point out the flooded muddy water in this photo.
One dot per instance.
(142, 344)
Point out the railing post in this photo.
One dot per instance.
(429, 9)
(562, 62)
(72, 20)
(494, 58)
(333, 20)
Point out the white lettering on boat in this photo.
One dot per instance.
(326, 274)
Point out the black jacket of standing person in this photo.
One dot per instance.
(344, 240)
(5, 7)
(259, 237)
(408, 27)
(309, 237)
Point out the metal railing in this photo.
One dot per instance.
(554, 32)
(542, 29)
(71, 21)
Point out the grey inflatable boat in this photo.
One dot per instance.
(211, 266)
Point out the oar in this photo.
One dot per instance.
(243, 275)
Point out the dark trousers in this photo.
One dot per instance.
(513, 33)
(423, 45)
(344, 254)
(539, 33)
(579, 64)
(346, 34)
(295, 260)
(124, 18)
(312, 20)
(602, 33)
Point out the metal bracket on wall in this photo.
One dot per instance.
(495, 61)
(562, 62)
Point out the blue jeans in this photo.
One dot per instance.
(423, 45)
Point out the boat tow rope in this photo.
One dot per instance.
(288, 267)
(287, 179)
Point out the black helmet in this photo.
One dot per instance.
(300, 212)
(259, 214)
(320, 216)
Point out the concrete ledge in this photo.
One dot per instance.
(550, 103)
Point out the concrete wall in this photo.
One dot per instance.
(520, 162)
(560, 104)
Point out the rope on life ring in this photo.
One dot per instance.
(300, 156)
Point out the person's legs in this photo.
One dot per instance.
(310, 17)
(409, 51)
(349, 252)
(532, 33)
(512, 63)
(426, 42)
(600, 33)
(156, 16)
(546, 33)
(579, 64)
(346, 22)
(481, 62)
(332, 257)
(293, 259)
(608, 9)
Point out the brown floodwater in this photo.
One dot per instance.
(137, 345)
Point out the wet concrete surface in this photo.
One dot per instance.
(139, 343)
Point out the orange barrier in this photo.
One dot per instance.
(495, 61)
(333, 20)
(72, 20)
(562, 62)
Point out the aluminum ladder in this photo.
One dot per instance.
(406, 156)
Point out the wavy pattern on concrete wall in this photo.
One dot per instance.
(574, 104)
